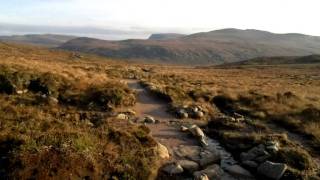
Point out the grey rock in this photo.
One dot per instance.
(196, 131)
(227, 176)
(238, 171)
(188, 165)
(244, 156)
(250, 164)
(203, 142)
(190, 152)
(253, 153)
(262, 158)
(199, 114)
(212, 172)
(184, 129)
(207, 158)
(149, 119)
(272, 170)
(182, 113)
(173, 169)
(202, 177)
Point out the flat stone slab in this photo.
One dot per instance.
(272, 170)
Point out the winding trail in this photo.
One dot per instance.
(168, 133)
(165, 132)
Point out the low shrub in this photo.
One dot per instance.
(6, 86)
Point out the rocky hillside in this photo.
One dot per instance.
(221, 46)
(48, 40)
(311, 59)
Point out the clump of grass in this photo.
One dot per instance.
(99, 97)
(296, 158)
(110, 93)
(241, 141)
(46, 84)
(220, 124)
(200, 94)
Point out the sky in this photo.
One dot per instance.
(121, 19)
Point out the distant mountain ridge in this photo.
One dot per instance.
(215, 47)
(48, 40)
(165, 36)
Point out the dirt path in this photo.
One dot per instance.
(165, 132)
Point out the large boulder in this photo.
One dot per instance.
(212, 172)
(272, 170)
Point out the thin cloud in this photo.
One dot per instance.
(187, 16)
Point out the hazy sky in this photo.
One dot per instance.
(137, 18)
